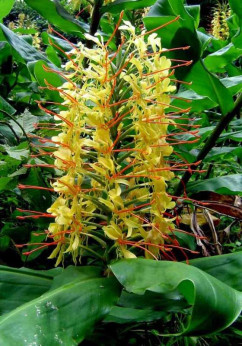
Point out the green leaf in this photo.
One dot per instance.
(217, 61)
(206, 84)
(25, 50)
(19, 152)
(26, 120)
(53, 56)
(127, 315)
(236, 7)
(234, 84)
(119, 5)
(18, 286)
(228, 185)
(6, 183)
(177, 34)
(6, 6)
(64, 315)
(217, 153)
(207, 295)
(5, 106)
(194, 11)
(198, 103)
(54, 13)
(51, 77)
(226, 268)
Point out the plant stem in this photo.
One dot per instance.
(96, 16)
(210, 143)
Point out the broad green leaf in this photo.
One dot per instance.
(236, 7)
(217, 153)
(38, 199)
(5, 6)
(206, 84)
(198, 103)
(127, 315)
(59, 42)
(52, 55)
(182, 33)
(204, 39)
(234, 84)
(19, 152)
(228, 185)
(18, 286)
(25, 50)
(207, 295)
(51, 77)
(54, 13)
(226, 268)
(6, 183)
(26, 120)
(119, 5)
(145, 308)
(64, 315)
(217, 61)
(177, 34)
(194, 11)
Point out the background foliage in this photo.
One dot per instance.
(133, 309)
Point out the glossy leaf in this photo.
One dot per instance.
(54, 13)
(229, 184)
(207, 295)
(5, 106)
(226, 268)
(206, 84)
(64, 315)
(216, 61)
(5, 6)
(18, 286)
(119, 5)
(234, 84)
(27, 52)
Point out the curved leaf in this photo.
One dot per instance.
(226, 268)
(6, 6)
(228, 185)
(208, 296)
(58, 16)
(61, 316)
(18, 286)
(27, 52)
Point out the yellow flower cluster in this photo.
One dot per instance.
(219, 26)
(113, 148)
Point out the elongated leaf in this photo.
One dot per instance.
(63, 316)
(179, 33)
(27, 52)
(5, 6)
(226, 268)
(18, 286)
(58, 16)
(120, 5)
(183, 33)
(208, 296)
(216, 61)
(207, 84)
(5, 106)
(234, 84)
(230, 185)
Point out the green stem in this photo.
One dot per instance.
(210, 143)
